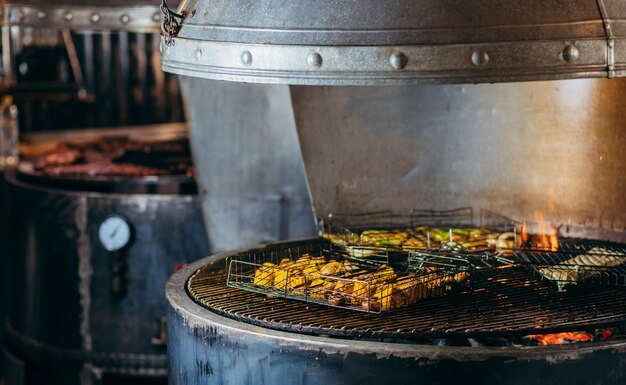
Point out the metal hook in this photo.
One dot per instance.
(170, 25)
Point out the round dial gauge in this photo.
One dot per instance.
(114, 233)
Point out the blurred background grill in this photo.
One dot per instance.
(91, 79)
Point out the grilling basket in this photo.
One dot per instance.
(379, 262)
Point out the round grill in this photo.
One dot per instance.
(503, 303)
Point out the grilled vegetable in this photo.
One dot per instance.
(265, 275)
(346, 283)
(365, 244)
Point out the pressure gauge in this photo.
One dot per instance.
(114, 233)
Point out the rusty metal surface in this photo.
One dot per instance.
(356, 42)
(555, 147)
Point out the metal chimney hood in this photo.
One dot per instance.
(393, 42)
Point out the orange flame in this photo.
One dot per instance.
(546, 237)
(561, 338)
(524, 233)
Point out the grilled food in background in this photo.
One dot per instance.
(116, 157)
(417, 238)
(341, 283)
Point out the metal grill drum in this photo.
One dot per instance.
(86, 309)
(557, 147)
(244, 338)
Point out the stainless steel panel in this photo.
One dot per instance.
(249, 166)
(556, 147)
(372, 22)
(368, 42)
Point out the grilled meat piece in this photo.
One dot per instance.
(117, 157)
(103, 168)
(583, 266)
(336, 300)
(58, 158)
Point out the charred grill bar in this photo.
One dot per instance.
(553, 149)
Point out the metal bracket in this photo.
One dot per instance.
(611, 57)
(610, 40)
(171, 23)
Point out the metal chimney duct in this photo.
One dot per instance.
(372, 42)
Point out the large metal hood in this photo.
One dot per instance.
(123, 15)
(373, 42)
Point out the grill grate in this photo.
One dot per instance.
(319, 274)
(505, 302)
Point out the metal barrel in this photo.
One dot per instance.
(80, 314)
(208, 348)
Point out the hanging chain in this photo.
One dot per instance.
(171, 23)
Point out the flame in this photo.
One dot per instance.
(561, 338)
(546, 237)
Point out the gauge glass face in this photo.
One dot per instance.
(114, 233)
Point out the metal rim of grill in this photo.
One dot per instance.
(161, 185)
(508, 304)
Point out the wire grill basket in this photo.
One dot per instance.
(450, 239)
(421, 230)
(588, 262)
(324, 276)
